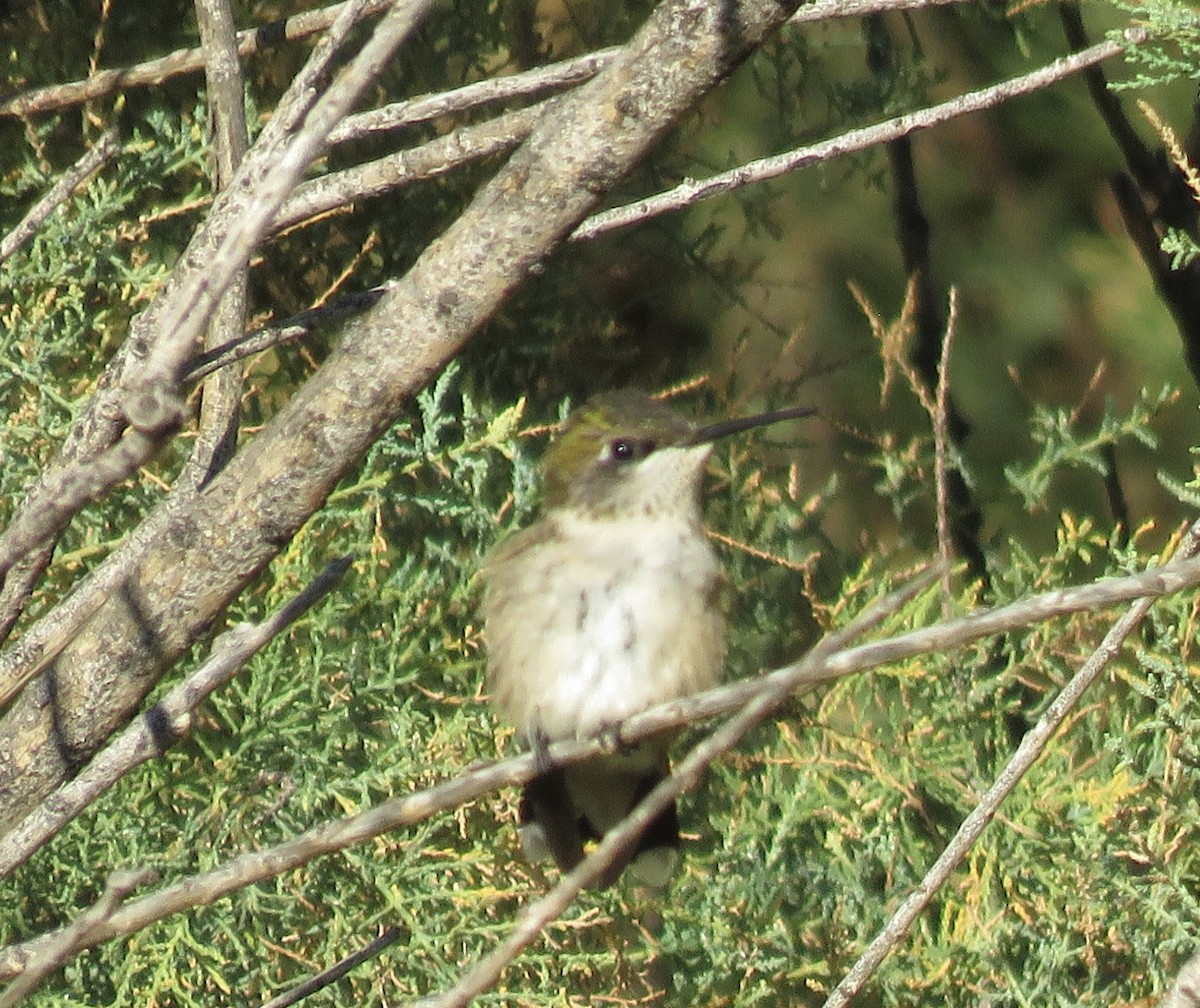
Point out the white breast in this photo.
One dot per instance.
(630, 620)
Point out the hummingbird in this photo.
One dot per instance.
(605, 606)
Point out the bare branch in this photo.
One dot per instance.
(162, 337)
(437, 157)
(103, 151)
(281, 332)
(93, 460)
(253, 40)
(220, 405)
(162, 725)
(762, 170)
(1152, 199)
(972, 827)
(567, 73)
(821, 10)
(76, 936)
(1137, 155)
(40, 100)
(254, 866)
(16, 587)
(528, 83)
(60, 497)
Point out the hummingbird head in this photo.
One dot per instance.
(623, 454)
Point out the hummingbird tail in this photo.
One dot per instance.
(549, 824)
(560, 809)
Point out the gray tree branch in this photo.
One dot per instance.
(170, 719)
(797, 678)
(220, 403)
(208, 547)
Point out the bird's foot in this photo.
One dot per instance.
(539, 745)
(614, 742)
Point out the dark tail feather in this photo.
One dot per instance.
(549, 820)
(663, 831)
(551, 823)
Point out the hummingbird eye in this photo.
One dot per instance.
(629, 449)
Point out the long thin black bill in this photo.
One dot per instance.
(723, 428)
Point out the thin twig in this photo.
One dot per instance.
(691, 191)
(1175, 148)
(253, 40)
(59, 497)
(289, 329)
(387, 174)
(528, 83)
(162, 725)
(220, 404)
(50, 645)
(686, 774)
(72, 938)
(103, 151)
(822, 10)
(566, 73)
(976, 822)
(941, 450)
(335, 972)
(254, 866)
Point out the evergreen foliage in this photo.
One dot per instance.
(1084, 889)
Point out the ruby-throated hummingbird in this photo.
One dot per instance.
(606, 606)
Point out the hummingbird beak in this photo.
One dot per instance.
(722, 428)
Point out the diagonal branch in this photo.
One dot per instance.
(801, 677)
(1027, 753)
(66, 942)
(41, 100)
(163, 724)
(99, 154)
(207, 547)
(767, 168)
